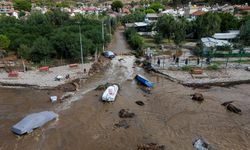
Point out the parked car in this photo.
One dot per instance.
(109, 54)
(248, 68)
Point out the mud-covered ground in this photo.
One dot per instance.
(169, 117)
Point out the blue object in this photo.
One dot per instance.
(143, 81)
(33, 121)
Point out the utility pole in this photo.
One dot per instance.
(102, 36)
(80, 34)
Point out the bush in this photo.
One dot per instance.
(186, 68)
(213, 67)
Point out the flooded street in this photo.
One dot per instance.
(169, 116)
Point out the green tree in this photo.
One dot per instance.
(22, 5)
(4, 42)
(116, 5)
(57, 17)
(207, 25)
(136, 42)
(165, 25)
(245, 33)
(228, 22)
(24, 51)
(134, 17)
(156, 6)
(148, 11)
(179, 32)
(41, 50)
(158, 38)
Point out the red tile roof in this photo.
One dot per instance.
(198, 13)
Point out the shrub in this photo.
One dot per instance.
(186, 68)
(213, 67)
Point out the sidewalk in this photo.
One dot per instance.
(42, 80)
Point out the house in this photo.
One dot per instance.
(153, 17)
(210, 44)
(197, 14)
(232, 34)
(6, 7)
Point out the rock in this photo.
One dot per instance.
(124, 113)
(150, 146)
(122, 123)
(140, 103)
(197, 97)
(231, 107)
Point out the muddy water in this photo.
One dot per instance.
(168, 117)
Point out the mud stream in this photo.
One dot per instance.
(169, 116)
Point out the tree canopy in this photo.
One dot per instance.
(116, 5)
(208, 24)
(245, 33)
(22, 5)
(53, 35)
(4, 42)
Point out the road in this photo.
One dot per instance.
(118, 43)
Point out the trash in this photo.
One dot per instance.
(140, 103)
(122, 123)
(110, 93)
(58, 78)
(124, 113)
(197, 97)
(53, 99)
(231, 107)
(200, 144)
(33, 121)
(150, 146)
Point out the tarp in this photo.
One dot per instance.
(32, 121)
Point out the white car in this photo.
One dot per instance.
(109, 54)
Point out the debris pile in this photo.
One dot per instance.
(197, 97)
(122, 123)
(66, 96)
(231, 107)
(124, 113)
(150, 146)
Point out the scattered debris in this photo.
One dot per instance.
(146, 90)
(53, 99)
(121, 59)
(150, 146)
(231, 107)
(76, 86)
(124, 113)
(200, 144)
(140, 103)
(102, 86)
(122, 123)
(66, 96)
(197, 97)
(58, 78)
